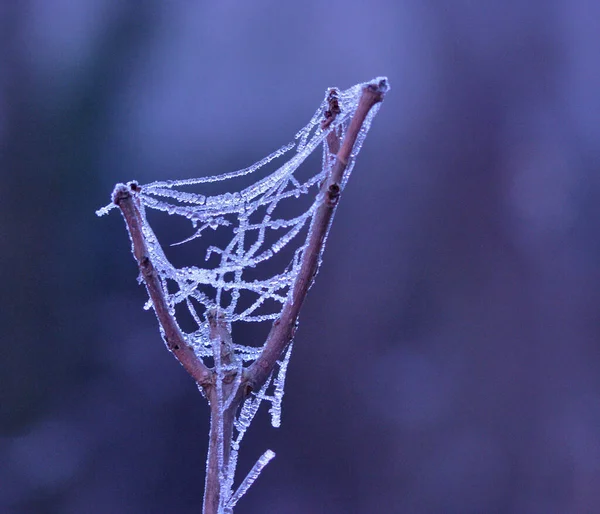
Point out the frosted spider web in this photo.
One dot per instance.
(258, 231)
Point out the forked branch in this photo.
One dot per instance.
(216, 384)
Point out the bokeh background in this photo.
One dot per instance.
(448, 357)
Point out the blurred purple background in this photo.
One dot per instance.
(448, 357)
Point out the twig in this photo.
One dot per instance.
(123, 197)
(283, 329)
(233, 387)
(222, 412)
(212, 485)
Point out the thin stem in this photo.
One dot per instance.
(224, 397)
(212, 485)
(123, 197)
(284, 327)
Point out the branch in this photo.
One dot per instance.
(124, 198)
(222, 413)
(283, 329)
(226, 391)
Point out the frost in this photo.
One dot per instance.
(264, 459)
(279, 382)
(256, 225)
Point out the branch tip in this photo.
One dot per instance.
(123, 191)
(120, 192)
(333, 108)
(379, 87)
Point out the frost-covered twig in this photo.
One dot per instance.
(124, 199)
(234, 392)
(224, 399)
(284, 328)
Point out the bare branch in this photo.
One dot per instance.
(124, 198)
(283, 329)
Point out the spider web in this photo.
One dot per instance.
(258, 229)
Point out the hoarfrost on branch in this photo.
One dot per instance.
(258, 229)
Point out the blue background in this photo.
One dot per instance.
(448, 357)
